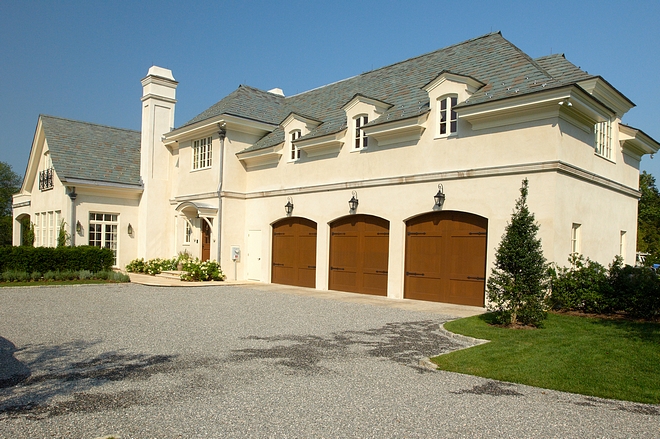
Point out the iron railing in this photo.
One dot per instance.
(46, 179)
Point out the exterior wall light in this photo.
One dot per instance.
(78, 227)
(440, 196)
(130, 229)
(288, 207)
(353, 202)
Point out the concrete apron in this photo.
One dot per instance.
(447, 309)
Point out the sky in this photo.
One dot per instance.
(84, 60)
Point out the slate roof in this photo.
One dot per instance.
(504, 70)
(93, 152)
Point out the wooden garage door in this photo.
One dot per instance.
(294, 252)
(446, 258)
(358, 254)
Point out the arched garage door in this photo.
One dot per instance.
(294, 252)
(446, 258)
(358, 254)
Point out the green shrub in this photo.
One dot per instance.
(634, 290)
(581, 287)
(42, 259)
(49, 275)
(85, 274)
(36, 276)
(196, 270)
(135, 266)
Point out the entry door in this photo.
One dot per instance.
(206, 240)
(294, 252)
(254, 255)
(446, 258)
(359, 251)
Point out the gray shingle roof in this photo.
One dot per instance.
(505, 70)
(93, 152)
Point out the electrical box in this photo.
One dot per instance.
(235, 253)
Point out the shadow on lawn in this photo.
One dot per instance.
(644, 331)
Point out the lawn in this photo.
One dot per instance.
(615, 359)
(56, 282)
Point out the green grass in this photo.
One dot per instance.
(614, 359)
(56, 282)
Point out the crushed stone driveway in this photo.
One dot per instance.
(136, 361)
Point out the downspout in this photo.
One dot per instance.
(72, 215)
(222, 134)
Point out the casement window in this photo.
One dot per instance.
(603, 139)
(202, 153)
(361, 140)
(187, 232)
(103, 231)
(447, 117)
(575, 239)
(622, 244)
(46, 228)
(295, 152)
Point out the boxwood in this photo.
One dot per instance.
(43, 259)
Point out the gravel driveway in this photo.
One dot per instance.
(238, 361)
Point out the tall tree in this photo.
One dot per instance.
(518, 283)
(10, 183)
(648, 219)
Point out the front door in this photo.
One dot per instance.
(206, 240)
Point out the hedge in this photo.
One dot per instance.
(43, 259)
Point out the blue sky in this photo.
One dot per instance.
(84, 60)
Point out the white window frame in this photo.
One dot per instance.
(447, 117)
(361, 139)
(603, 139)
(187, 232)
(294, 152)
(622, 244)
(108, 228)
(202, 151)
(576, 238)
(37, 231)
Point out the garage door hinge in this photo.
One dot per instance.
(338, 233)
(381, 272)
(275, 264)
(410, 273)
(336, 268)
(477, 233)
(476, 278)
(416, 233)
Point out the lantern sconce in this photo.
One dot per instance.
(79, 227)
(353, 202)
(288, 207)
(130, 229)
(440, 196)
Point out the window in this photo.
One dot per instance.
(46, 175)
(202, 153)
(575, 239)
(361, 140)
(295, 152)
(37, 232)
(603, 139)
(187, 234)
(622, 244)
(103, 231)
(448, 119)
(46, 228)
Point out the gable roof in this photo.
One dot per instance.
(82, 150)
(505, 71)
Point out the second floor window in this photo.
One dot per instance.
(202, 157)
(603, 139)
(361, 140)
(448, 117)
(295, 152)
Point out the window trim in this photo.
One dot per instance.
(202, 153)
(187, 232)
(103, 222)
(449, 125)
(603, 140)
(576, 239)
(294, 152)
(360, 139)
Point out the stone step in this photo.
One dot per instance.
(172, 274)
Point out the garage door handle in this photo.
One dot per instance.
(410, 273)
(476, 278)
(336, 268)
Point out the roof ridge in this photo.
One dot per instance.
(87, 123)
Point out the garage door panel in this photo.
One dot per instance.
(307, 277)
(294, 252)
(468, 255)
(427, 250)
(423, 288)
(465, 292)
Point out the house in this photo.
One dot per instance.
(396, 182)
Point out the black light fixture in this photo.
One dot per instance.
(353, 202)
(78, 227)
(440, 196)
(288, 207)
(130, 229)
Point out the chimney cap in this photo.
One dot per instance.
(161, 72)
(276, 91)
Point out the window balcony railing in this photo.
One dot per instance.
(46, 179)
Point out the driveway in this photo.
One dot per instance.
(258, 361)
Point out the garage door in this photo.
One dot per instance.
(294, 252)
(358, 254)
(446, 258)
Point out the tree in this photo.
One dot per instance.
(518, 284)
(648, 219)
(10, 183)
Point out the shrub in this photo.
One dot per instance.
(85, 274)
(49, 275)
(36, 276)
(582, 286)
(196, 270)
(42, 259)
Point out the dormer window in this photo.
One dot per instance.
(295, 152)
(361, 140)
(448, 119)
(603, 139)
(202, 153)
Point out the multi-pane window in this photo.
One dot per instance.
(46, 228)
(622, 244)
(202, 153)
(361, 140)
(603, 139)
(295, 152)
(187, 235)
(37, 230)
(575, 239)
(103, 231)
(448, 117)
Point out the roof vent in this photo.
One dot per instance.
(276, 91)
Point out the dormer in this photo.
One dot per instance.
(360, 110)
(445, 92)
(608, 95)
(295, 126)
